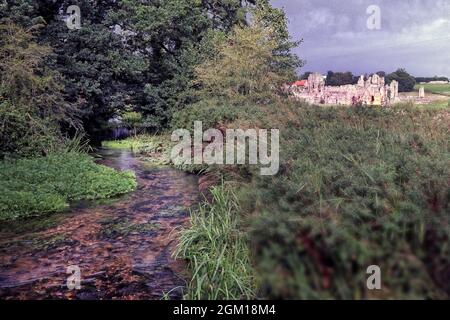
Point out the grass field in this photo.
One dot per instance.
(443, 89)
(435, 105)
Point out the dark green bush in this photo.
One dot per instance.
(209, 112)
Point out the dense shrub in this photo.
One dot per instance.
(406, 82)
(209, 112)
(32, 109)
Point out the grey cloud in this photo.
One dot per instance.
(415, 34)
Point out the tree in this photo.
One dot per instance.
(133, 120)
(339, 78)
(174, 37)
(306, 75)
(429, 79)
(139, 53)
(406, 82)
(245, 66)
(275, 20)
(31, 104)
(99, 74)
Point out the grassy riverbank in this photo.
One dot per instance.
(356, 187)
(154, 149)
(37, 186)
(217, 251)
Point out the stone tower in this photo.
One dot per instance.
(315, 82)
(361, 81)
(394, 91)
(421, 92)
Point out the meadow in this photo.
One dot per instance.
(441, 89)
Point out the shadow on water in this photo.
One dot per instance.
(123, 247)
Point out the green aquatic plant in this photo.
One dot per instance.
(32, 187)
(123, 227)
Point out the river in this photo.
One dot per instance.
(121, 247)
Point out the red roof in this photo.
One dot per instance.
(300, 83)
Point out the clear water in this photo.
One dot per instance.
(123, 247)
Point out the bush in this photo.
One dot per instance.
(31, 187)
(210, 112)
(23, 136)
(133, 120)
(32, 108)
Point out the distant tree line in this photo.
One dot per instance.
(340, 78)
(429, 79)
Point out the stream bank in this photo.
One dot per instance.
(123, 247)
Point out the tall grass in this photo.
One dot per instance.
(131, 143)
(216, 250)
(356, 187)
(77, 144)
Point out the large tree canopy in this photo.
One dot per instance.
(138, 53)
(32, 110)
(246, 65)
(406, 82)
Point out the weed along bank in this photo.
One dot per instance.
(235, 147)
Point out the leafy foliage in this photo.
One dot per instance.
(406, 82)
(245, 66)
(356, 188)
(31, 108)
(139, 53)
(132, 120)
(339, 78)
(429, 79)
(211, 113)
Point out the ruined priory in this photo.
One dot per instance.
(372, 91)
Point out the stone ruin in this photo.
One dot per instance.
(372, 92)
(421, 92)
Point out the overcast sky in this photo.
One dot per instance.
(414, 34)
